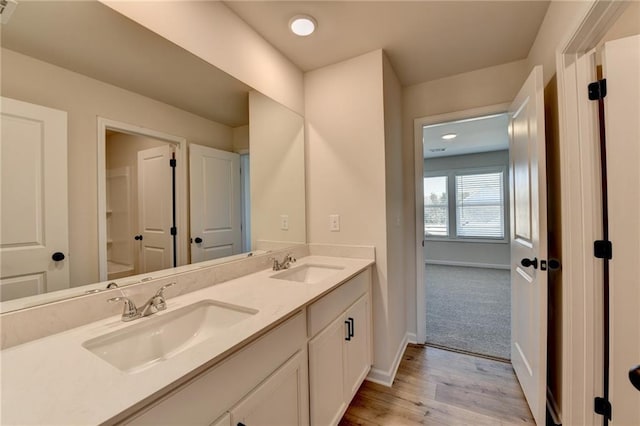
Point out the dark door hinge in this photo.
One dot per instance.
(172, 162)
(602, 406)
(174, 230)
(597, 90)
(603, 249)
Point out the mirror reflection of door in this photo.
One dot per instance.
(139, 204)
(33, 235)
(215, 194)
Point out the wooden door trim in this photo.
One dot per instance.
(580, 215)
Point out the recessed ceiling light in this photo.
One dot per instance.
(449, 136)
(302, 25)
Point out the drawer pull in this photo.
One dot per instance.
(353, 327)
(348, 330)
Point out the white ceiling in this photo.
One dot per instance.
(475, 135)
(424, 40)
(92, 39)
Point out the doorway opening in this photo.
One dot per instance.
(466, 233)
(140, 186)
(141, 200)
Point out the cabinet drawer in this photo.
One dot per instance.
(325, 310)
(208, 396)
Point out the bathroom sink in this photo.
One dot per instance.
(157, 338)
(307, 273)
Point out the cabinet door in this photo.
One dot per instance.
(357, 353)
(327, 399)
(282, 399)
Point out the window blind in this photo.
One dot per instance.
(480, 205)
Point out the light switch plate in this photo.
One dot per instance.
(334, 222)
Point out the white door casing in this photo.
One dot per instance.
(621, 68)
(155, 215)
(215, 203)
(527, 174)
(34, 200)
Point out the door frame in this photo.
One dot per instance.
(182, 208)
(418, 123)
(581, 216)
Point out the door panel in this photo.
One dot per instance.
(34, 199)
(621, 68)
(527, 173)
(215, 203)
(326, 386)
(155, 203)
(356, 350)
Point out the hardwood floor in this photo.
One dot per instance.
(438, 387)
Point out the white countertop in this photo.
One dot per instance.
(55, 380)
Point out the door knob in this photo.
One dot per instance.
(198, 240)
(138, 238)
(634, 376)
(530, 262)
(57, 256)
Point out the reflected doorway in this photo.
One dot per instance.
(140, 204)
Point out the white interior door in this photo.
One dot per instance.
(34, 200)
(527, 172)
(215, 203)
(621, 68)
(155, 209)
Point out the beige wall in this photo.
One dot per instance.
(223, 40)
(626, 25)
(396, 283)
(241, 139)
(353, 160)
(488, 86)
(85, 99)
(276, 164)
(559, 23)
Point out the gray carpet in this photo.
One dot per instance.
(469, 309)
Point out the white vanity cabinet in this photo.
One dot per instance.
(260, 379)
(280, 400)
(340, 353)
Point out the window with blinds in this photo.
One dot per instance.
(436, 206)
(480, 205)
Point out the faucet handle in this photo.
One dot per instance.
(160, 292)
(158, 302)
(130, 311)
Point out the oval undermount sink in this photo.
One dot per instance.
(307, 273)
(158, 338)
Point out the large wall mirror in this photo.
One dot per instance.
(125, 156)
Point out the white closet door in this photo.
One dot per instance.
(527, 170)
(34, 200)
(215, 203)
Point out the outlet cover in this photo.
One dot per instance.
(334, 222)
(284, 222)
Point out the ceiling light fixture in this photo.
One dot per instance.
(302, 25)
(449, 136)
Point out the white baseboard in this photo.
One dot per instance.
(386, 378)
(468, 264)
(412, 338)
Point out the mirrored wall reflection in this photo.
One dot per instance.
(105, 106)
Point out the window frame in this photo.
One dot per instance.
(452, 204)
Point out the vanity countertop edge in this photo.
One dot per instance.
(55, 380)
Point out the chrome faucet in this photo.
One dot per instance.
(286, 262)
(156, 303)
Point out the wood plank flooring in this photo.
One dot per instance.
(438, 387)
